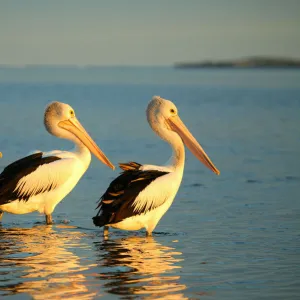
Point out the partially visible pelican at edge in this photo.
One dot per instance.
(142, 194)
(38, 182)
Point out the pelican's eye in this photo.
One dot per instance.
(72, 113)
(172, 111)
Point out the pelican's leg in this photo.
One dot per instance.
(1, 214)
(149, 228)
(49, 220)
(105, 231)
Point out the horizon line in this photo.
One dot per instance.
(79, 66)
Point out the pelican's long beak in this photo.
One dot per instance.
(74, 126)
(0, 154)
(178, 126)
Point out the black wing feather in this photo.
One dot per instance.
(12, 174)
(116, 204)
(130, 166)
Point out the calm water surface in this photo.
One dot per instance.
(233, 236)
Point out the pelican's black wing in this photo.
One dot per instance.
(116, 204)
(130, 166)
(13, 173)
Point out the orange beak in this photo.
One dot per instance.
(74, 126)
(178, 126)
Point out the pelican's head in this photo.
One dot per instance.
(163, 115)
(60, 121)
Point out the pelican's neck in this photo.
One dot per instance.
(82, 152)
(178, 156)
(176, 161)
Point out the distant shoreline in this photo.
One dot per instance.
(246, 63)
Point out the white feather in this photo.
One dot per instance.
(157, 198)
(55, 174)
(166, 168)
(156, 193)
(63, 174)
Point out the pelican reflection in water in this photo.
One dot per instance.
(140, 266)
(36, 261)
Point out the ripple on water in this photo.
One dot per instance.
(197, 184)
(37, 261)
(286, 178)
(139, 266)
(253, 181)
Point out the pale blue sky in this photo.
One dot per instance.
(144, 32)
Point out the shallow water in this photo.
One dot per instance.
(233, 236)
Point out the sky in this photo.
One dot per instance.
(144, 32)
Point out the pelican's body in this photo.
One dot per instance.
(152, 189)
(142, 194)
(38, 182)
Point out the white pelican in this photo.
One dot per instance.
(141, 195)
(38, 182)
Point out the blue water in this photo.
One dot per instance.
(233, 236)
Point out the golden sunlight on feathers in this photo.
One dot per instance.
(39, 181)
(142, 194)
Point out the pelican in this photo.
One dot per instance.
(142, 194)
(0, 154)
(38, 182)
